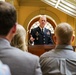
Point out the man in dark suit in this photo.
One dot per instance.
(41, 35)
(19, 62)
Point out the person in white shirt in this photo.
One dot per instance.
(4, 69)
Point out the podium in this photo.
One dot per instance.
(39, 49)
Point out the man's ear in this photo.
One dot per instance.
(55, 39)
(14, 29)
(73, 37)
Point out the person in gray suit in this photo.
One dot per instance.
(62, 59)
(19, 62)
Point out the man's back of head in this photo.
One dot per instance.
(7, 17)
(64, 33)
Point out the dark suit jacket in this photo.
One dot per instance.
(41, 37)
(20, 63)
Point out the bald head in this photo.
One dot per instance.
(64, 33)
(42, 20)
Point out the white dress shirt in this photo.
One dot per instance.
(4, 69)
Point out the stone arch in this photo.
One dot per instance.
(38, 12)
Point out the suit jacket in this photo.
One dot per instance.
(59, 61)
(20, 63)
(41, 37)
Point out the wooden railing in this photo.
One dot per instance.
(40, 49)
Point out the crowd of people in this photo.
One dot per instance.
(14, 56)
